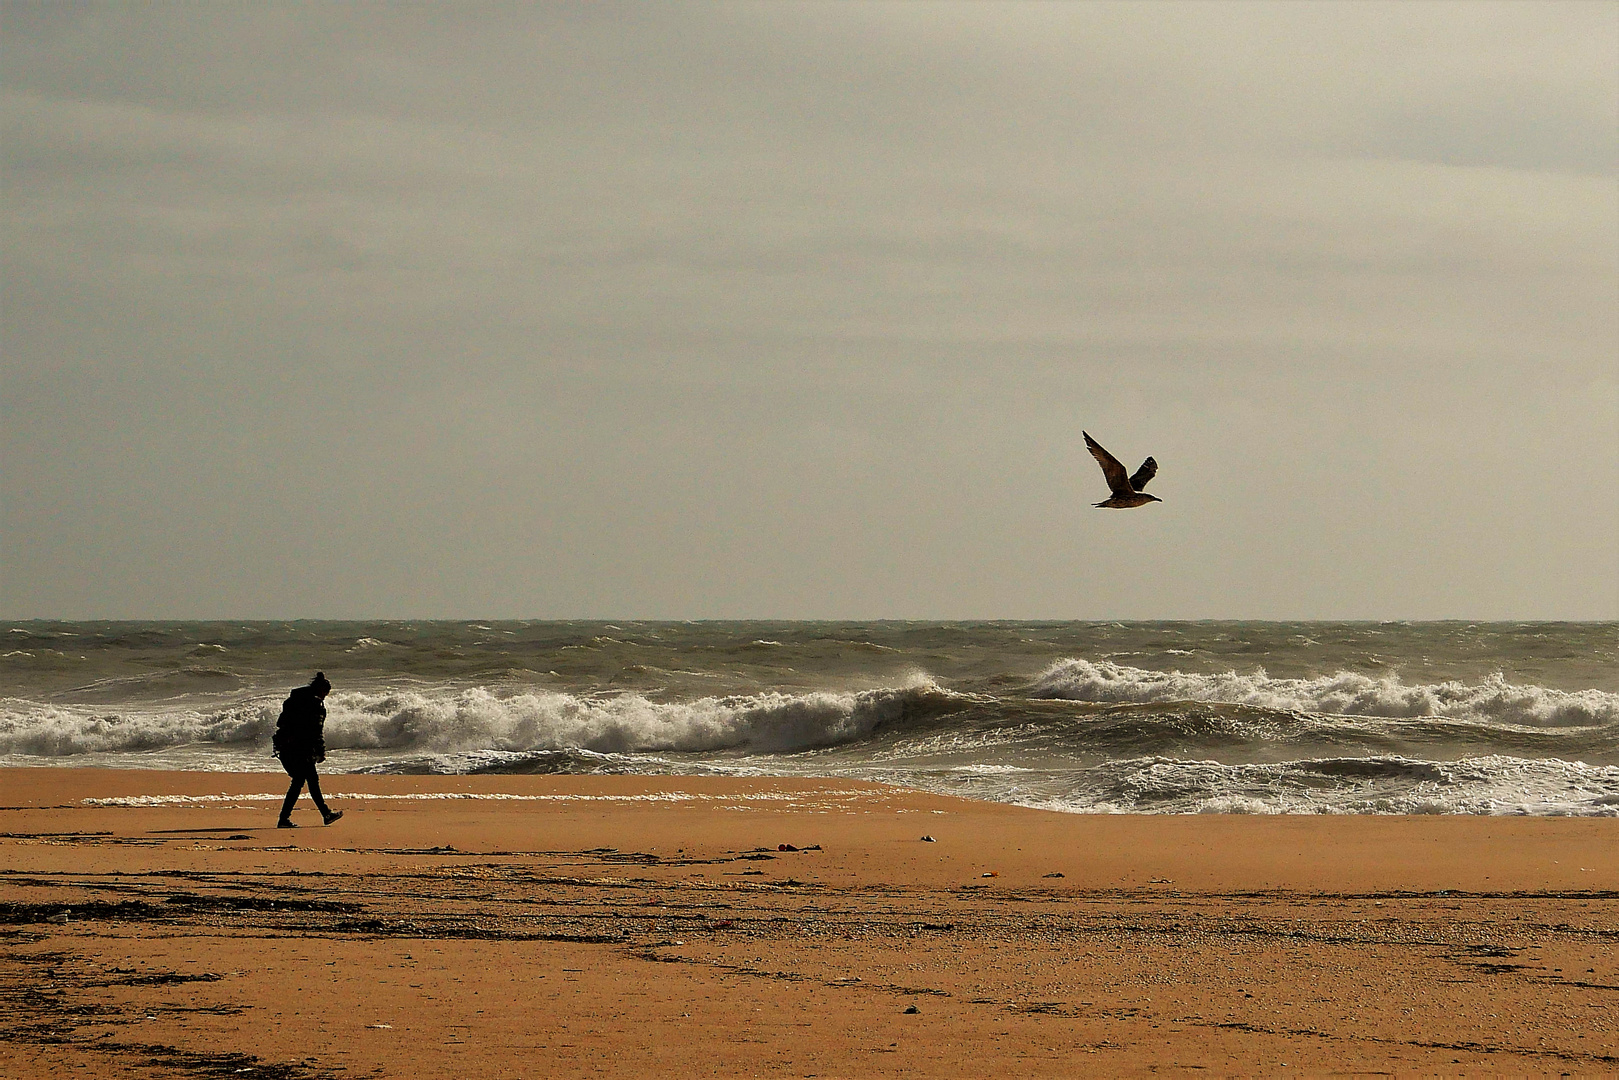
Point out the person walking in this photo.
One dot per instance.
(300, 741)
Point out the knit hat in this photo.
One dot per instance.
(319, 683)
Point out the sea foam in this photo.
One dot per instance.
(44, 730)
(1350, 693)
(480, 719)
(1492, 784)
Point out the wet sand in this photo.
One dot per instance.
(627, 926)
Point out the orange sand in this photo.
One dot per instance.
(634, 926)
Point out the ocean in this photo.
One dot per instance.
(1091, 717)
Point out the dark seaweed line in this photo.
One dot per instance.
(177, 909)
(38, 1018)
(181, 908)
(1468, 1047)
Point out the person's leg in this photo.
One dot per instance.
(313, 779)
(327, 813)
(291, 799)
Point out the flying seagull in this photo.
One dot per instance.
(1126, 489)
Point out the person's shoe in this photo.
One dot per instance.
(333, 816)
(285, 823)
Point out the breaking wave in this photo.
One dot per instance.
(29, 728)
(1494, 701)
(1085, 735)
(1379, 785)
(479, 719)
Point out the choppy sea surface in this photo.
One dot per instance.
(1166, 717)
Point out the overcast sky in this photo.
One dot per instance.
(797, 310)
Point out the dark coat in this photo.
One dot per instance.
(300, 734)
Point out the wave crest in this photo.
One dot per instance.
(477, 719)
(58, 731)
(1379, 785)
(1342, 693)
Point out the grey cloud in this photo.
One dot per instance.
(795, 309)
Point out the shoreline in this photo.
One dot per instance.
(623, 924)
(1530, 787)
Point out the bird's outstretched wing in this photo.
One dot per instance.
(1116, 479)
(1148, 470)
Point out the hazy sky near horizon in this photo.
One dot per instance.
(797, 310)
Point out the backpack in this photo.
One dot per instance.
(298, 730)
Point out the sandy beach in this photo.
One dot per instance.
(158, 924)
